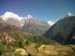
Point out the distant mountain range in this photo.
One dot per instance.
(63, 31)
(28, 23)
(13, 38)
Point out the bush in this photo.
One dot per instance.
(2, 49)
(38, 45)
(20, 43)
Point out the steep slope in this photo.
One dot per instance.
(63, 31)
(35, 26)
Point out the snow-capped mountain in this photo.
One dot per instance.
(51, 23)
(12, 19)
(69, 14)
(9, 15)
(27, 23)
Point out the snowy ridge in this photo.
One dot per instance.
(12, 16)
(9, 15)
(51, 23)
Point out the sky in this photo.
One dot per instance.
(41, 9)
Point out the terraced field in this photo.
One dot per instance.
(51, 50)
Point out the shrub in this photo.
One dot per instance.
(2, 48)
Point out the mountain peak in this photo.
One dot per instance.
(29, 16)
(8, 15)
(50, 22)
(69, 14)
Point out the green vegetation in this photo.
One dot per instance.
(2, 48)
(42, 40)
(38, 45)
(12, 38)
(63, 31)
